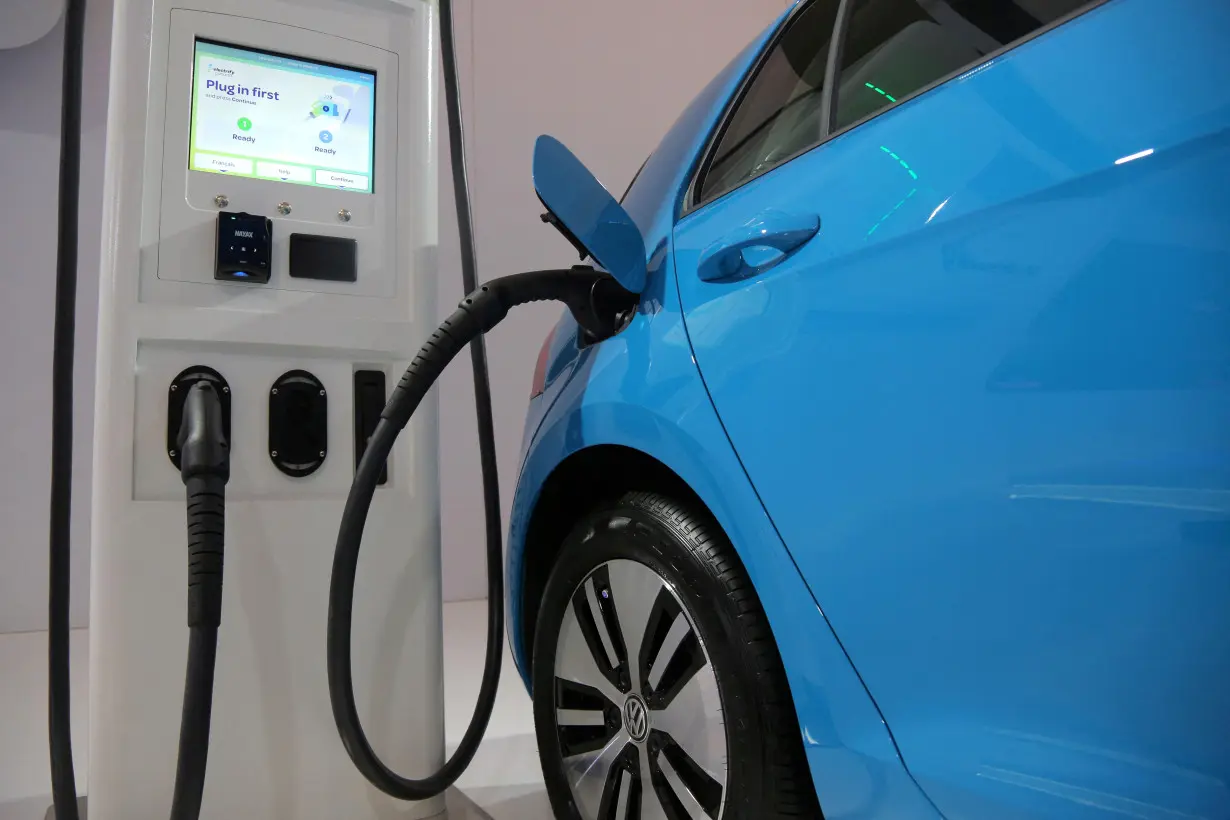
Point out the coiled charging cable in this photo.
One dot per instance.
(598, 304)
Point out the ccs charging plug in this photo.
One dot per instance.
(245, 246)
(205, 467)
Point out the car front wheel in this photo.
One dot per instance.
(658, 689)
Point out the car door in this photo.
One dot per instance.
(960, 293)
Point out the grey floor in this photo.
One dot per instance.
(503, 783)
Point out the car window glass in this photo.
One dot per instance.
(779, 116)
(893, 48)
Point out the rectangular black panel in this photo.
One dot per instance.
(369, 401)
(332, 258)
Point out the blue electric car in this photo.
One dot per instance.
(905, 489)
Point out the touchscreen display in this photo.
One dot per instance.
(264, 115)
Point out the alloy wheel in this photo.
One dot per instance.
(638, 715)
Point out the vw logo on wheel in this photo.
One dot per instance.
(636, 718)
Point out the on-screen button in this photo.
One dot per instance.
(338, 179)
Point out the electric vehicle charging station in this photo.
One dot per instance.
(342, 184)
(268, 260)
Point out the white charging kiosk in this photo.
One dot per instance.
(313, 119)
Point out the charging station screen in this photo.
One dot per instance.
(268, 116)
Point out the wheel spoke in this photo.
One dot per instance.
(622, 792)
(679, 630)
(626, 799)
(604, 619)
(575, 660)
(580, 717)
(584, 720)
(651, 806)
(634, 589)
(683, 797)
(590, 774)
(593, 609)
(694, 722)
(671, 654)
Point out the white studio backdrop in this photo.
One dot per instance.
(606, 78)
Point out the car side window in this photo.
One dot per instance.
(780, 114)
(893, 48)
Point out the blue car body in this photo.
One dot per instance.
(971, 440)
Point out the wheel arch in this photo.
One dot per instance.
(578, 484)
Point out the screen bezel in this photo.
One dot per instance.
(371, 148)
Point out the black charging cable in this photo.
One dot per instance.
(341, 592)
(205, 470)
(205, 460)
(59, 728)
(599, 305)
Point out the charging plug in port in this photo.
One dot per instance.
(298, 423)
(177, 394)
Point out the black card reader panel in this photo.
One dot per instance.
(369, 400)
(245, 246)
(332, 258)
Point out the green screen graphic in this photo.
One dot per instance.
(268, 116)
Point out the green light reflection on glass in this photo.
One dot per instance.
(881, 92)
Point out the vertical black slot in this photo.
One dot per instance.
(369, 399)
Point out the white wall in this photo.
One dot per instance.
(606, 78)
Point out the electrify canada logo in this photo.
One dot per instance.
(216, 69)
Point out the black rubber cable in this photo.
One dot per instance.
(59, 724)
(341, 591)
(597, 302)
(478, 313)
(194, 725)
(493, 535)
(478, 347)
(205, 460)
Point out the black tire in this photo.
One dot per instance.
(765, 771)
